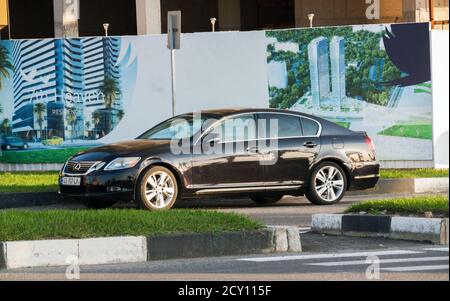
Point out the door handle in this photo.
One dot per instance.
(310, 144)
(253, 150)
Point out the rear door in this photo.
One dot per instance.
(290, 144)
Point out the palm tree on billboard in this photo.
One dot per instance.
(5, 126)
(39, 109)
(120, 114)
(71, 118)
(6, 68)
(88, 126)
(111, 93)
(96, 118)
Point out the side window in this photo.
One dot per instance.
(310, 127)
(240, 128)
(280, 126)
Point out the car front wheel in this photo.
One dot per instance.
(157, 189)
(327, 185)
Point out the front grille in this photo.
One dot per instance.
(79, 167)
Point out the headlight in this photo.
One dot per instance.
(123, 163)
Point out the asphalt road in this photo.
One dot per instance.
(291, 211)
(344, 259)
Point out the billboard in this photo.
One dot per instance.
(373, 78)
(61, 96)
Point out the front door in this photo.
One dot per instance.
(230, 157)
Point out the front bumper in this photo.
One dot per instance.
(103, 185)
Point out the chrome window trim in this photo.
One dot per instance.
(319, 133)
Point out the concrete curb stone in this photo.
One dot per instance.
(434, 230)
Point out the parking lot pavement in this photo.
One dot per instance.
(291, 211)
(349, 260)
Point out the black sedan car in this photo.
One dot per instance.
(261, 153)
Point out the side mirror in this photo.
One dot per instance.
(211, 139)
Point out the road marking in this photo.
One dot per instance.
(417, 268)
(383, 261)
(304, 230)
(336, 255)
(437, 249)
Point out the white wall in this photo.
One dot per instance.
(209, 75)
(440, 69)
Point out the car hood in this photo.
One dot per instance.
(133, 148)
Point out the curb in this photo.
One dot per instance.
(434, 230)
(27, 254)
(405, 186)
(29, 199)
(400, 186)
(113, 250)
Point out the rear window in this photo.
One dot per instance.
(281, 126)
(310, 127)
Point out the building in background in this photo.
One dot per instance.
(37, 19)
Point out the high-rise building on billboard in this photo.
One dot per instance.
(319, 69)
(337, 58)
(66, 75)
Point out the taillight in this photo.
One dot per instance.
(369, 143)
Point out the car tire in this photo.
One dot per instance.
(266, 200)
(91, 204)
(325, 189)
(25, 147)
(157, 189)
(8, 147)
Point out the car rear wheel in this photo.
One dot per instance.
(266, 200)
(327, 185)
(157, 189)
(92, 204)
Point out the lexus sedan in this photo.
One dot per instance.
(260, 153)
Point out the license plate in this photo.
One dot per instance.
(70, 181)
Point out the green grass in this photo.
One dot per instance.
(404, 206)
(39, 156)
(48, 181)
(419, 131)
(28, 182)
(413, 173)
(39, 225)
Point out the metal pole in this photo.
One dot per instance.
(431, 8)
(9, 19)
(172, 62)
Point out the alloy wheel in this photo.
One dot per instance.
(160, 189)
(329, 183)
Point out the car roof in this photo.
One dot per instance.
(234, 111)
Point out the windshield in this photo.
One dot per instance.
(177, 128)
